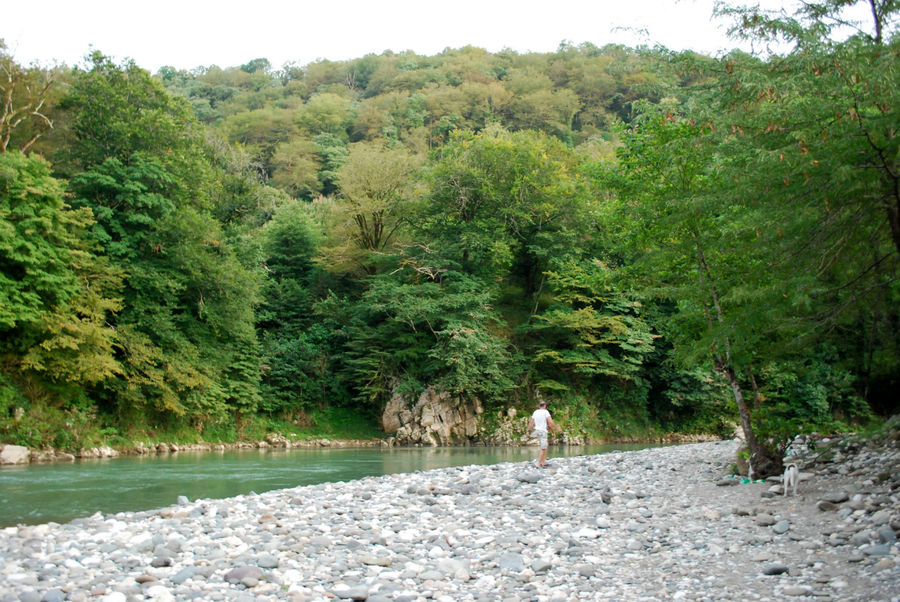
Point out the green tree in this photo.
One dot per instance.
(590, 330)
(687, 240)
(56, 296)
(23, 94)
(295, 168)
(814, 141)
(185, 334)
(409, 331)
(297, 343)
(501, 204)
(326, 113)
(374, 203)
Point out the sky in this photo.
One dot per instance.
(191, 33)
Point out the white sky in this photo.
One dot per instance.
(191, 33)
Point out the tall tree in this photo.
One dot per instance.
(503, 203)
(373, 205)
(187, 342)
(23, 94)
(687, 240)
(813, 137)
(56, 296)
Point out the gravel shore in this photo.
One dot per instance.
(657, 524)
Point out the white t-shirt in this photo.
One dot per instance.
(540, 417)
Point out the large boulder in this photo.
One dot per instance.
(14, 454)
(436, 418)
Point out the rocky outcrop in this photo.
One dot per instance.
(14, 454)
(436, 418)
(98, 452)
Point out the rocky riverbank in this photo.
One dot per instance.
(17, 454)
(657, 524)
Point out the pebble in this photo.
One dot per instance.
(654, 524)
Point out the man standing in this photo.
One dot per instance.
(540, 421)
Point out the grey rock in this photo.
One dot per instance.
(541, 566)
(321, 541)
(775, 568)
(238, 574)
(183, 575)
(14, 454)
(836, 497)
(511, 562)
(183, 500)
(798, 590)
(528, 477)
(781, 527)
(161, 561)
(267, 561)
(765, 520)
(450, 566)
(859, 539)
(431, 575)
(376, 560)
(826, 506)
(887, 535)
(882, 517)
(878, 549)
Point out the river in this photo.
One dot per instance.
(40, 493)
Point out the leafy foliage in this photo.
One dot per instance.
(652, 241)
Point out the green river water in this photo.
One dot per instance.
(43, 493)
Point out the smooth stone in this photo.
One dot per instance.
(826, 506)
(878, 549)
(53, 595)
(887, 535)
(541, 566)
(14, 454)
(836, 497)
(775, 568)
(238, 574)
(797, 590)
(183, 575)
(511, 562)
(781, 527)
(431, 575)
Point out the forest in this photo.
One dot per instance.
(654, 241)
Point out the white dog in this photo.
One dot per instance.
(791, 478)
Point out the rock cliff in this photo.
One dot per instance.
(435, 418)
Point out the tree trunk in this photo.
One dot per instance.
(763, 461)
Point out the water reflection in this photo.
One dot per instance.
(61, 492)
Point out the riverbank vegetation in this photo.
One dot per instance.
(655, 242)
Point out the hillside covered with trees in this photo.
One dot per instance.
(655, 242)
